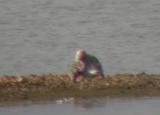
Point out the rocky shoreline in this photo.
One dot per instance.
(50, 86)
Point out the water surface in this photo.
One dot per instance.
(97, 106)
(41, 36)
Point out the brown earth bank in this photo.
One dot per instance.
(49, 86)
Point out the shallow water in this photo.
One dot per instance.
(41, 36)
(97, 106)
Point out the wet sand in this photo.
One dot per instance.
(49, 86)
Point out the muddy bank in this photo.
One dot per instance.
(44, 87)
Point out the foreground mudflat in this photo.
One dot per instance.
(43, 87)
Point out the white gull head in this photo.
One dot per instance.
(79, 55)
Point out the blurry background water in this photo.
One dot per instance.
(42, 36)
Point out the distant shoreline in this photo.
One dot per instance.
(49, 86)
